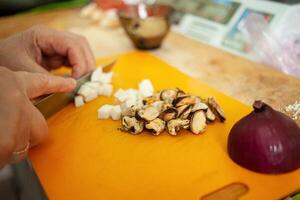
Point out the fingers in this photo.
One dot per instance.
(37, 84)
(75, 48)
(38, 128)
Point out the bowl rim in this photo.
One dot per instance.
(122, 16)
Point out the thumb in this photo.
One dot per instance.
(37, 84)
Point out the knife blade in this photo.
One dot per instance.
(50, 104)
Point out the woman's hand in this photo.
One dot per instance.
(40, 49)
(20, 122)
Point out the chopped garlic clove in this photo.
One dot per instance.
(96, 75)
(105, 90)
(104, 112)
(78, 101)
(105, 77)
(116, 112)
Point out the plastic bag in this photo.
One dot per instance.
(280, 50)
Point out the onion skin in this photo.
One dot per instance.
(265, 141)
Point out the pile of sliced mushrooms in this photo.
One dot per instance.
(170, 109)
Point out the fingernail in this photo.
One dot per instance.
(72, 82)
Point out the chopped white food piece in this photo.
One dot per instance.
(91, 96)
(132, 93)
(85, 90)
(96, 75)
(121, 95)
(116, 112)
(105, 77)
(92, 85)
(97, 15)
(146, 88)
(78, 101)
(88, 10)
(104, 112)
(105, 90)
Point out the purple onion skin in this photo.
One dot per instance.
(265, 141)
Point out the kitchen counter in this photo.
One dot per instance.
(234, 76)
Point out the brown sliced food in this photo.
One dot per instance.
(199, 106)
(184, 100)
(167, 115)
(216, 109)
(158, 105)
(198, 122)
(186, 113)
(210, 116)
(168, 95)
(175, 125)
(148, 113)
(132, 125)
(180, 92)
(181, 109)
(156, 126)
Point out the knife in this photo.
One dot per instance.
(50, 104)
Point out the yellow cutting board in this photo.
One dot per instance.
(87, 158)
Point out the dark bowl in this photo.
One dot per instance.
(146, 32)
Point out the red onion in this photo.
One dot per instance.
(265, 141)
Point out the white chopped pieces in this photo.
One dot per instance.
(116, 112)
(146, 88)
(121, 95)
(293, 110)
(105, 77)
(95, 77)
(93, 85)
(85, 91)
(78, 101)
(99, 85)
(104, 112)
(105, 90)
(91, 96)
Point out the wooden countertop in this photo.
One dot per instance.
(237, 77)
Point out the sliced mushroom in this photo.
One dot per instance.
(149, 113)
(167, 115)
(149, 100)
(216, 109)
(186, 112)
(180, 92)
(175, 125)
(168, 95)
(157, 126)
(181, 109)
(184, 100)
(198, 122)
(199, 106)
(132, 125)
(210, 116)
(166, 106)
(158, 105)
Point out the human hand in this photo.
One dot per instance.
(20, 121)
(39, 49)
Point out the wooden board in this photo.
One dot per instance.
(87, 158)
